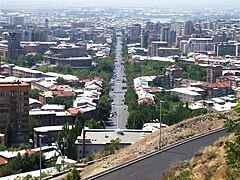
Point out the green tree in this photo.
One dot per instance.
(39, 57)
(2, 147)
(64, 101)
(68, 136)
(103, 108)
(193, 71)
(21, 61)
(32, 124)
(8, 134)
(233, 147)
(61, 81)
(92, 124)
(21, 164)
(112, 147)
(73, 175)
(23, 146)
(34, 93)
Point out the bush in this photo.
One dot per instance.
(88, 159)
(73, 175)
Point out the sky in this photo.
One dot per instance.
(119, 3)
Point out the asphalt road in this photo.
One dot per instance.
(154, 166)
(119, 112)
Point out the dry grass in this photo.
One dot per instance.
(183, 130)
(207, 164)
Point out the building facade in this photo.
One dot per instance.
(14, 107)
(74, 55)
(14, 48)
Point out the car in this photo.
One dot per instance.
(110, 123)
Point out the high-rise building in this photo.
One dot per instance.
(153, 47)
(213, 71)
(46, 23)
(188, 28)
(40, 34)
(144, 38)
(157, 27)
(166, 34)
(226, 49)
(150, 26)
(17, 20)
(176, 27)
(14, 108)
(136, 30)
(14, 48)
(27, 35)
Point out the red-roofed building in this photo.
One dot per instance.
(98, 78)
(57, 87)
(233, 81)
(2, 161)
(66, 94)
(30, 151)
(153, 90)
(146, 100)
(86, 114)
(47, 96)
(74, 111)
(217, 89)
(75, 83)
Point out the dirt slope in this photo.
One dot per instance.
(170, 135)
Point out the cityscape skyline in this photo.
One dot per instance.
(82, 80)
(108, 3)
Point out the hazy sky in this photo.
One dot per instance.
(120, 3)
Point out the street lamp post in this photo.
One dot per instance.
(40, 163)
(160, 126)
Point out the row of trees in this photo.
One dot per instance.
(67, 137)
(193, 71)
(26, 61)
(103, 69)
(21, 164)
(144, 113)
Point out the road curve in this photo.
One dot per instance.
(153, 167)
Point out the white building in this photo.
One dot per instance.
(97, 139)
(188, 94)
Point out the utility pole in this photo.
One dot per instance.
(160, 126)
(40, 163)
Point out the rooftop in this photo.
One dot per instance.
(53, 107)
(104, 136)
(43, 129)
(186, 91)
(4, 83)
(217, 85)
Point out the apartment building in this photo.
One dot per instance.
(14, 107)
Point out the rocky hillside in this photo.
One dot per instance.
(208, 163)
(180, 131)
